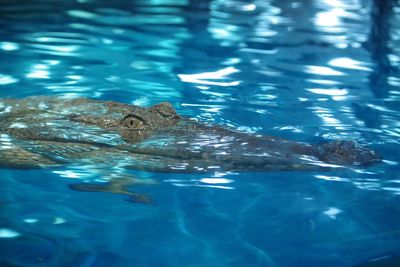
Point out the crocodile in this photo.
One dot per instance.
(45, 131)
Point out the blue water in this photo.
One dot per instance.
(309, 71)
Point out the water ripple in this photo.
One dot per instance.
(309, 71)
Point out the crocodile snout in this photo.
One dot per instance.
(347, 153)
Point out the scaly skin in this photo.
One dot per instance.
(48, 131)
(41, 131)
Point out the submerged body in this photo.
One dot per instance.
(45, 131)
(50, 131)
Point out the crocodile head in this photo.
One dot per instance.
(140, 122)
(132, 122)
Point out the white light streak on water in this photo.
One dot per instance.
(18, 125)
(332, 212)
(389, 162)
(348, 63)
(332, 178)
(216, 186)
(38, 74)
(331, 92)
(8, 46)
(209, 77)
(328, 18)
(81, 14)
(59, 220)
(7, 79)
(31, 220)
(8, 233)
(68, 174)
(327, 82)
(319, 70)
(216, 181)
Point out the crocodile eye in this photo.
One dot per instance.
(133, 122)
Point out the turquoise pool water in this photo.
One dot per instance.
(309, 71)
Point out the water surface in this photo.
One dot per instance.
(305, 70)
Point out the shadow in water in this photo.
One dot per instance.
(378, 44)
